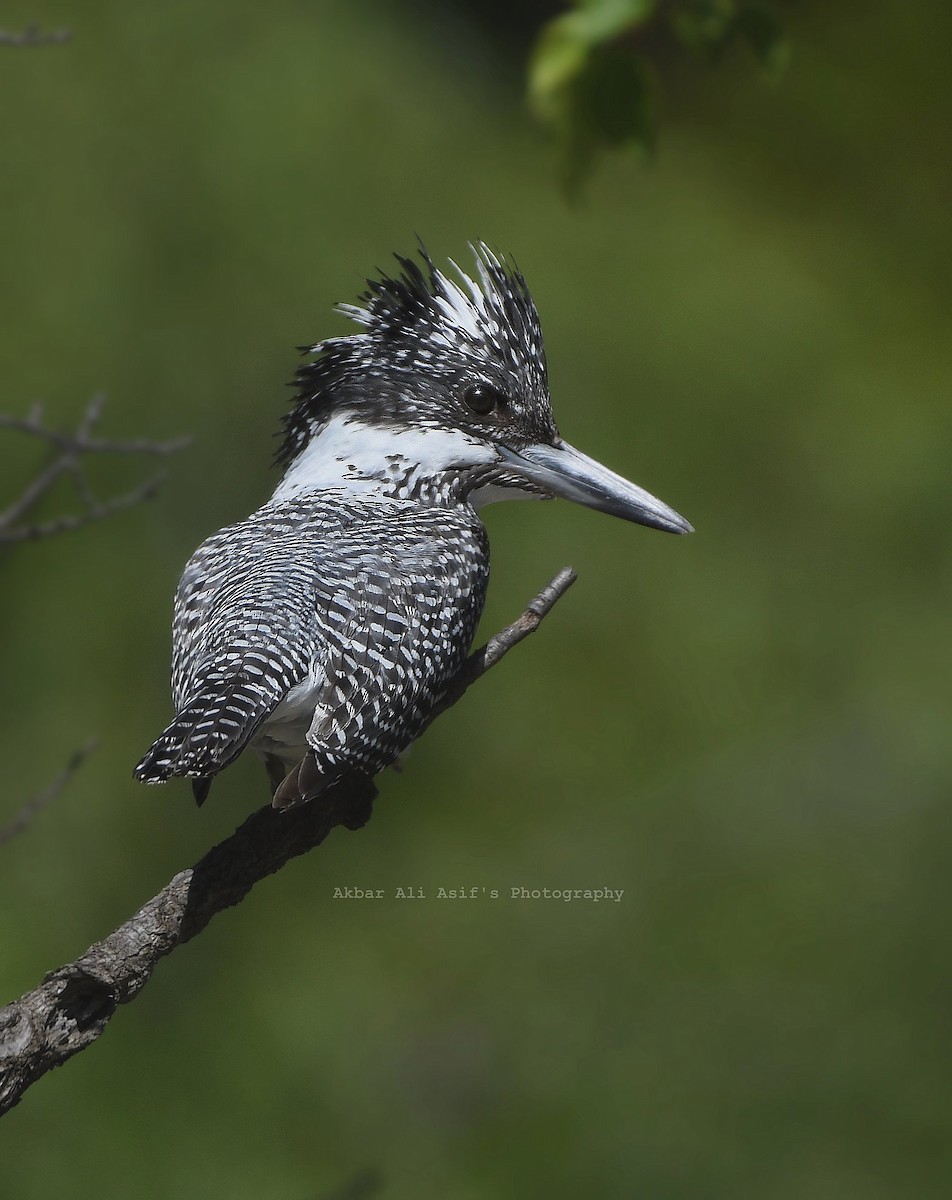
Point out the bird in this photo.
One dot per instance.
(323, 630)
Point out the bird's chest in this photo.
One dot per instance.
(391, 628)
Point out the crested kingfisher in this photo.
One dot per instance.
(324, 630)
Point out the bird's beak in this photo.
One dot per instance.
(564, 471)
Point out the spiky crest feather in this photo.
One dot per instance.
(418, 320)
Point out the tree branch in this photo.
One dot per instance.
(31, 36)
(71, 451)
(38, 802)
(73, 1005)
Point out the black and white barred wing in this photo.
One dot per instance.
(398, 624)
(380, 683)
(241, 634)
(382, 677)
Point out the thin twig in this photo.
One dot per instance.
(361, 1186)
(65, 524)
(34, 491)
(72, 450)
(37, 803)
(73, 1005)
(480, 661)
(31, 36)
(83, 443)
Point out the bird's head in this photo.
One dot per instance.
(445, 391)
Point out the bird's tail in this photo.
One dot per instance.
(206, 734)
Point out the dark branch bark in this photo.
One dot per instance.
(73, 1005)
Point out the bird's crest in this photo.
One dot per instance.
(419, 319)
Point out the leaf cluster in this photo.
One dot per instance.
(593, 76)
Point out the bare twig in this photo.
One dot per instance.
(73, 1005)
(71, 450)
(82, 440)
(480, 661)
(71, 521)
(31, 36)
(38, 802)
(361, 1186)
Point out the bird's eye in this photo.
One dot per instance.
(483, 398)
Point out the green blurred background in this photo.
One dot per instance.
(745, 730)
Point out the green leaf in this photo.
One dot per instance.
(562, 50)
(704, 25)
(590, 80)
(762, 30)
(558, 58)
(613, 100)
(602, 20)
(611, 104)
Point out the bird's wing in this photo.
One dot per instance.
(241, 634)
(397, 610)
(403, 638)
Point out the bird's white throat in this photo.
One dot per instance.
(358, 458)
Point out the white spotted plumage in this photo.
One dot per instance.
(319, 625)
